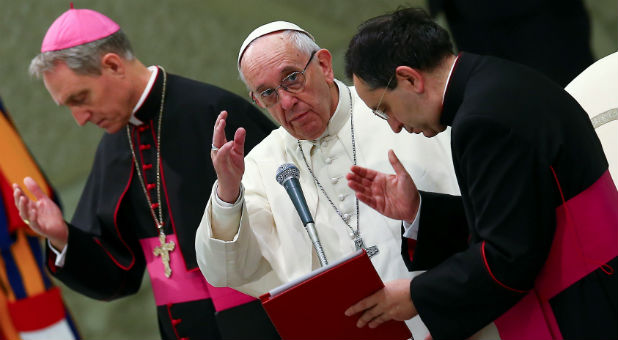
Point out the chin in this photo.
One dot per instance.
(112, 129)
(306, 134)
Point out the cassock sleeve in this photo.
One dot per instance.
(436, 244)
(507, 196)
(103, 261)
(92, 270)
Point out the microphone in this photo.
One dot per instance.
(287, 175)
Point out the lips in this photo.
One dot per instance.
(298, 116)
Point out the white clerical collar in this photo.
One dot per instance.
(448, 79)
(153, 75)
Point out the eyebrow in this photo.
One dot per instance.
(73, 97)
(286, 71)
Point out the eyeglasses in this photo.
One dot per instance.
(377, 111)
(293, 83)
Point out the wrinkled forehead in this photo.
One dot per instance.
(269, 58)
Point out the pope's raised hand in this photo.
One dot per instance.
(394, 196)
(228, 158)
(43, 215)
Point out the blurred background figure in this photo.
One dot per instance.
(551, 36)
(31, 306)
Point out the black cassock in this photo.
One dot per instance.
(113, 233)
(515, 136)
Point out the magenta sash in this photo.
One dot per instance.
(184, 285)
(585, 239)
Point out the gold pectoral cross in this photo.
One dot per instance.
(164, 251)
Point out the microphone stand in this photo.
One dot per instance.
(313, 235)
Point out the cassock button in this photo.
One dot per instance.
(334, 180)
(342, 197)
(347, 217)
(328, 160)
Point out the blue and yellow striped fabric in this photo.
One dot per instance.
(30, 305)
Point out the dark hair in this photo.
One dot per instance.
(408, 37)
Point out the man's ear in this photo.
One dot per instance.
(410, 78)
(326, 63)
(111, 62)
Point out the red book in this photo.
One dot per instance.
(312, 307)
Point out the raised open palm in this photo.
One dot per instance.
(394, 196)
(43, 215)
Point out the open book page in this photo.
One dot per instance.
(276, 291)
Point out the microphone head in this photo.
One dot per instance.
(287, 171)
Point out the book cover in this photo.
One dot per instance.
(312, 307)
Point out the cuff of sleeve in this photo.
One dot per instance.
(226, 216)
(60, 255)
(223, 204)
(410, 229)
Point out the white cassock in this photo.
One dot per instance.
(261, 242)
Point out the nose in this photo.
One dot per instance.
(287, 100)
(81, 116)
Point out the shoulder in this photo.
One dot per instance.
(191, 96)
(191, 89)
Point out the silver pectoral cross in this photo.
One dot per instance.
(360, 244)
(164, 251)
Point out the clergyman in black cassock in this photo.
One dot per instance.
(149, 183)
(531, 242)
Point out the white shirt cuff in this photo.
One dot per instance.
(223, 204)
(60, 255)
(225, 217)
(410, 229)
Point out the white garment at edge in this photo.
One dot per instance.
(268, 245)
(596, 90)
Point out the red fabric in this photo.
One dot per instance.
(525, 319)
(411, 248)
(314, 308)
(12, 214)
(38, 311)
(585, 239)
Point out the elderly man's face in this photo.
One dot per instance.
(102, 100)
(304, 114)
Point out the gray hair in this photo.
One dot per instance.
(83, 59)
(301, 41)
